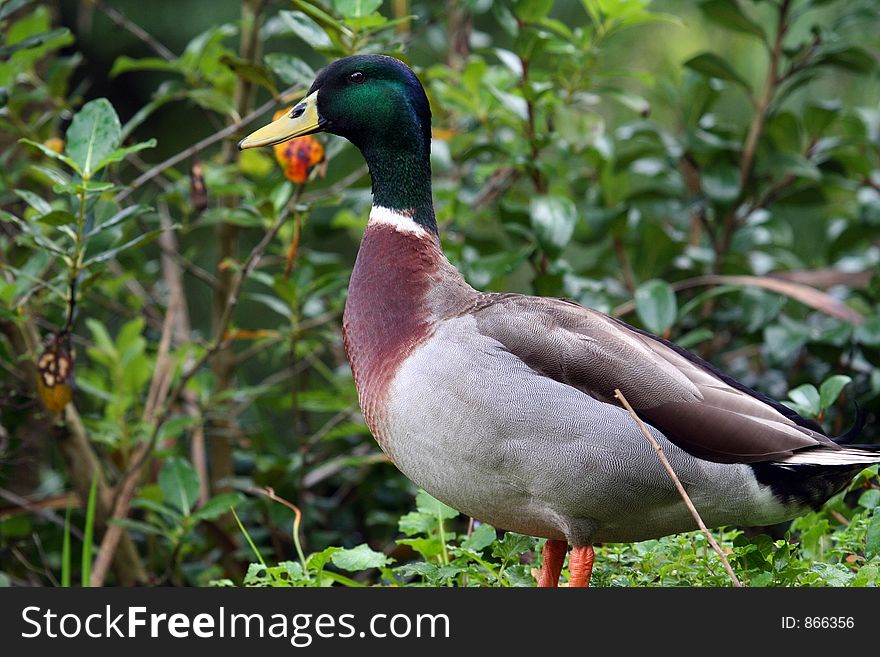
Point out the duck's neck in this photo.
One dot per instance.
(401, 173)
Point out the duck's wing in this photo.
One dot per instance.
(697, 407)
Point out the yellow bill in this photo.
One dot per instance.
(302, 120)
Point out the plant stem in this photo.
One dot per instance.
(756, 129)
(445, 553)
(678, 486)
(219, 436)
(531, 133)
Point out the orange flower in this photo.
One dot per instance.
(298, 156)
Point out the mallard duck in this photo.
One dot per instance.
(502, 405)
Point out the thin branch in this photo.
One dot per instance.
(337, 187)
(39, 509)
(135, 29)
(679, 487)
(162, 412)
(497, 184)
(156, 396)
(111, 539)
(690, 169)
(148, 303)
(204, 143)
(622, 260)
(169, 248)
(531, 133)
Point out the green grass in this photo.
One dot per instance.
(838, 545)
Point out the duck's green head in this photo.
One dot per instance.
(379, 105)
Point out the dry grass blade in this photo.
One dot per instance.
(297, 519)
(803, 293)
(826, 277)
(679, 487)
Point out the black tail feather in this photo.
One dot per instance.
(854, 431)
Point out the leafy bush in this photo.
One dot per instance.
(711, 175)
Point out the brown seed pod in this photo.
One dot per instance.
(55, 376)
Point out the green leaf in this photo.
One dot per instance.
(213, 100)
(290, 70)
(512, 546)
(306, 29)
(870, 499)
(806, 396)
(868, 332)
(125, 64)
(361, 557)
(817, 117)
(713, 66)
(248, 538)
(831, 388)
(138, 526)
(217, 506)
(65, 551)
(122, 153)
(427, 547)
(48, 152)
(482, 537)
(94, 133)
(628, 99)
(57, 218)
(87, 186)
(834, 574)
(88, 533)
(33, 233)
(553, 220)
(731, 16)
(510, 60)
(416, 522)
(317, 560)
(10, 7)
(274, 303)
(721, 182)
(251, 72)
(849, 58)
(117, 219)
(179, 483)
(656, 305)
(692, 338)
(794, 164)
(530, 11)
(51, 174)
(421, 568)
(356, 8)
(36, 201)
(513, 103)
(434, 507)
(57, 37)
(143, 238)
(162, 509)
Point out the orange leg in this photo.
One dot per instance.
(554, 556)
(580, 565)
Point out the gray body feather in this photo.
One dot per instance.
(530, 454)
(503, 407)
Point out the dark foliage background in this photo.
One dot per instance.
(707, 170)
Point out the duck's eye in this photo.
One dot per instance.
(357, 77)
(297, 111)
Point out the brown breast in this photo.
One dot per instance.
(387, 314)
